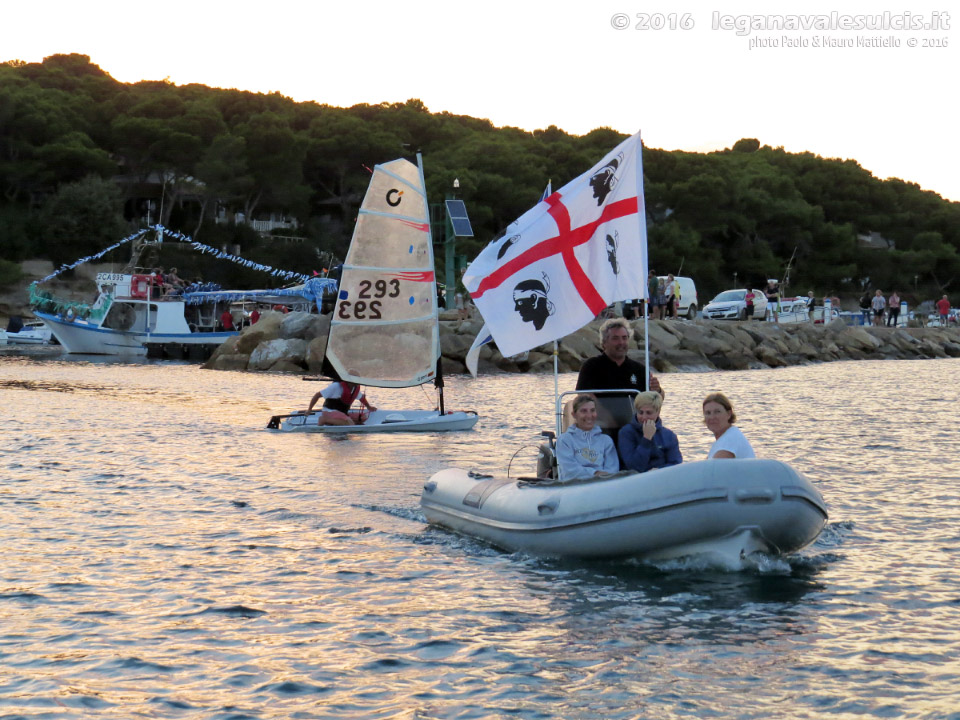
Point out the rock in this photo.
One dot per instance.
(471, 328)
(773, 344)
(273, 351)
(731, 361)
(453, 367)
(682, 359)
(314, 354)
(268, 324)
(304, 325)
(659, 336)
(583, 343)
(455, 346)
(951, 348)
(250, 339)
(495, 362)
(227, 362)
(295, 324)
(856, 338)
(808, 351)
(769, 356)
(227, 347)
(539, 363)
(662, 365)
(930, 348)
(287, 367)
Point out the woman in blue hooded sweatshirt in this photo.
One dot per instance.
(583, 450)
(645, 444)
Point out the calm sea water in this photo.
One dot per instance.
(165, 556)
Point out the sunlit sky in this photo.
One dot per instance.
(535, 64)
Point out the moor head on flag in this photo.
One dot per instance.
(531, 301)
(612, 242)
(605, 180)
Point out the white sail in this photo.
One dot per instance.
(384, 330)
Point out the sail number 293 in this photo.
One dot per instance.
(372, 292)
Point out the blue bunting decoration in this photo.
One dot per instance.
(180, 237)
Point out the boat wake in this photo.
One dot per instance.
(757, 562)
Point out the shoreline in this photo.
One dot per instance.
(295, 343)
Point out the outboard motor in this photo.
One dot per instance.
(547, 457)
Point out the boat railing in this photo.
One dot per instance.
(614, 408)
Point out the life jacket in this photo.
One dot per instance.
(348, 393)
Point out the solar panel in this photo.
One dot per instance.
(457, 212)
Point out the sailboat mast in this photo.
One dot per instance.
(438, 379)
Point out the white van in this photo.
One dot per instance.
(689, 304)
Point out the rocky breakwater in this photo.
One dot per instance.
(295, 343)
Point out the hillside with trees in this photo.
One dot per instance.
(82, 157)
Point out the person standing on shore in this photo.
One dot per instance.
(749, 306)
(670, 291)
(653, 295)
(811, 301)
(879, 304)
(865, 307)
(894, 310)
(943, 308)
(772, 291)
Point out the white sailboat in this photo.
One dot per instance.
(385, 331)
(581, 249)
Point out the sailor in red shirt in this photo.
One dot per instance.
(226, 320)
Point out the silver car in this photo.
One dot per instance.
(732, 305)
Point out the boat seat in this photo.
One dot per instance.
(613, 412)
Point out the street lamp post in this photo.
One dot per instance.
(449, 247)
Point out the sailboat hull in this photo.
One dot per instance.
(721, 507)
(386, 421)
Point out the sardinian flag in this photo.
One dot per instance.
(567, 258)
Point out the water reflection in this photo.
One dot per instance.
(167, 554)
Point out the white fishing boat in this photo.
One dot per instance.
(32, 332)
(384, 331)
(791, 311)
(131, 317)
(726, 507)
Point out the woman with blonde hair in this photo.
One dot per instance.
(719, 417)
(645, 444)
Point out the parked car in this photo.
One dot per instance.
(689, 303)
(732, 305)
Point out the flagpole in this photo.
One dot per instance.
(556, 386)
(642, 220)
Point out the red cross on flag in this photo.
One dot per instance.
(567, 258)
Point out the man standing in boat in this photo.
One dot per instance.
(612, 369)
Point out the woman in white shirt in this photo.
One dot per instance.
(719, 418)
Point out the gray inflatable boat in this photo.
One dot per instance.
(726, 507)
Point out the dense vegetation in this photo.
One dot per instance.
(76, 147)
